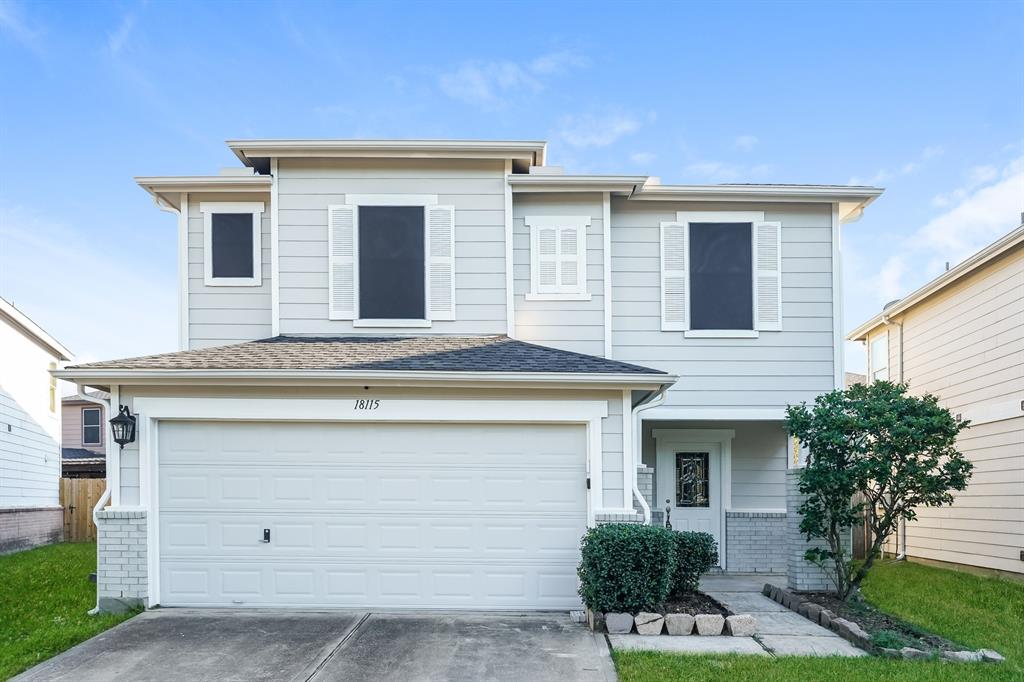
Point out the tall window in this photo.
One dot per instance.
(721, 291)
(91, 426)
(391, 263)
(880, 358)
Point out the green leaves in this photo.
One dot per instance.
(626, 567)
(898, 450)
(696, 553)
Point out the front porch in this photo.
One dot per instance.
(727, 478)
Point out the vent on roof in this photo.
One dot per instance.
(890, 304)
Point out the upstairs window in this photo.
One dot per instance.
(880, 358)
(391, 261)
(721, 274)
(558, 257)
(91, 428)
(233, 251)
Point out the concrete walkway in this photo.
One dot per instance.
(780, 632)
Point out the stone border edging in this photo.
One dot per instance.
(855, 634)
(672, 624)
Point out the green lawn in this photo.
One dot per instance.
(44, 596)
(980, 612)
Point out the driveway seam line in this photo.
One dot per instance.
(341, 643)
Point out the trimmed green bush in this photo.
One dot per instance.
(695, 553)
(626, 567)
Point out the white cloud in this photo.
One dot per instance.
(117, 39)
(597, 131)
(745, 142)
(976, 176)
(642, 158)
(488, 84)
(14, 23)
(910, 167)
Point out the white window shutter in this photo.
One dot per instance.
(768, 275)
(341, 269)
(547, 259)
(675, 277)
(441, 263)
(570, 257)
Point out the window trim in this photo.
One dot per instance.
(357, 201)
(580, 223)
(752, 217)
(884, 339)
(208, 209)
(98, 426)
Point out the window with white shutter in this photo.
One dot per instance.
(721, 274)
(558, 257)
(391, 260)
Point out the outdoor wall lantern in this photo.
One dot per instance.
(123, 427)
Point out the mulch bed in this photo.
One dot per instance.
(885, 630)
(693, 603)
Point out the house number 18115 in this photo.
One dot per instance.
(366, 404)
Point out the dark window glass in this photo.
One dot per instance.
(231, 243)
(721, 280)
(692, 480)
(391, 264)
(90, 426)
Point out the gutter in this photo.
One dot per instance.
(105, 497)
(649, 401)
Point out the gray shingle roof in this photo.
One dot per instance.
(407, 353)
(80, 454)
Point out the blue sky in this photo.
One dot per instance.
(925, 99)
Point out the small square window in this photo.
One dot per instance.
(91, 426)
(232, 254)
(692, 484)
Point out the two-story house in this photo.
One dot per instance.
(961, 337)
(83, 452)
(413, 372)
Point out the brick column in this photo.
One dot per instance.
(122, 577)
(645, 483)
(803, 575)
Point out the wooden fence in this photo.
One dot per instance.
(78, 496)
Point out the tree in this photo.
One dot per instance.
(897, 449)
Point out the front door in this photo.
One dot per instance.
(689, 486)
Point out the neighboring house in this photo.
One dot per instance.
(961, 338)
(854, 378)
(413, 372)
(30, 511)
(83, 450)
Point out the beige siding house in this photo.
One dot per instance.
(961, 337)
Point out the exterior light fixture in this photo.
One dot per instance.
(123, 427)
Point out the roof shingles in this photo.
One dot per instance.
(404, 354)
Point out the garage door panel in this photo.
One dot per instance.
(400, 515)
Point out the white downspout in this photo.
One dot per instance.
(901, 532)
(105, 497)
(654, 401)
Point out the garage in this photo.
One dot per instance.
(363, 514)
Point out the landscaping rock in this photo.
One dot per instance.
(825, 618)
(679, 623)
(912, 654)
(767, 590)
(577, 616)
(812, 611)
(595, 621)
(889, 653)
(618, 623)
(709, 624)
(741, 626)
(963, 656)
(991, 656)
(804, 608)
(649, 623)
(775, 596)
(851, 632)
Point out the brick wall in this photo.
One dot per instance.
(645, 484)
(122, 568)
(619, 518)
(803, 575)
(756, 542)
(27, 527)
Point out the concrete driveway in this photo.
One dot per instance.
(202, 644)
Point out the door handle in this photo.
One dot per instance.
(266, 535)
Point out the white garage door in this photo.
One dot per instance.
(479, 516)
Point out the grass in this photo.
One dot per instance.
(980, 612)
(44, 596)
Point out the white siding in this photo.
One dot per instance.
(572, 325)
(771, 371)
(29, 430)
(475, 188)
(225, 314)
(966, 345)
(611, 425)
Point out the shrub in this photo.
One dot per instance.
(626, 567)
(696, 553)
